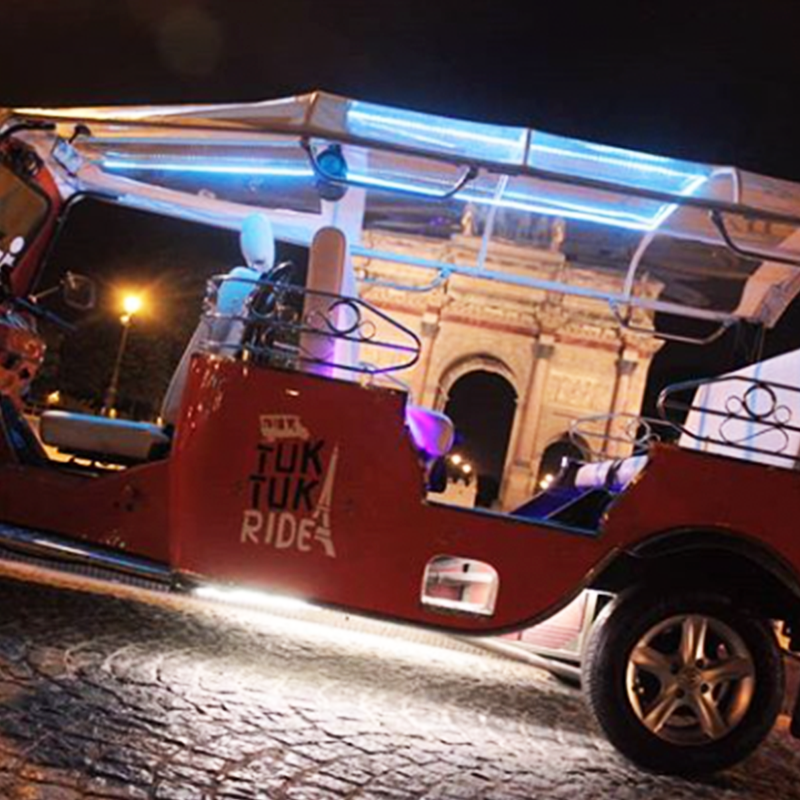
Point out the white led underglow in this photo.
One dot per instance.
(249, 598)
(380, 639)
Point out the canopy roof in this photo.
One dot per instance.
(687, 238)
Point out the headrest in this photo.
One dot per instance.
(258, 243)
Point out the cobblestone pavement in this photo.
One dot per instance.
(133, 695)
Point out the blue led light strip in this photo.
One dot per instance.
(512, 200)
(453, 128)
(605, 154)
(616, 162)
(203, 167)
(621, 151)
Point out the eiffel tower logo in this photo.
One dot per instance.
(322, 513)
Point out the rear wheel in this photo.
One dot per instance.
(681, 681)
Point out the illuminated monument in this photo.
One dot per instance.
(562, 357)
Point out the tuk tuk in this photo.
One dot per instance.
(290, 456)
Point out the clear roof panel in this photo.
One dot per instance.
(448, 137)
(576, 158)
(621, 215)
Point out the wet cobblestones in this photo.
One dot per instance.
(130, 695)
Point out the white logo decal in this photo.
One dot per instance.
(7, 258)
(282, 426)
(291, 489)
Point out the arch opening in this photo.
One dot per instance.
(554, 457)
(482, 405)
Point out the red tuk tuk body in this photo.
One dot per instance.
(297, 481)
(228, 507)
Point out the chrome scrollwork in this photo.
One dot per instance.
(278, 317)
(755, 416)
(765, 418)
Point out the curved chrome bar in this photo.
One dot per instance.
(469, 175)
(625, 322)
(440, 279)
(650, 236)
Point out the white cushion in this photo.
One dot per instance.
(100, 436)
(611, 475)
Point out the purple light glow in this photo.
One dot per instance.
(431, 431)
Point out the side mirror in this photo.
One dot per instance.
(79, 292)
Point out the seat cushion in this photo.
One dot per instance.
(114, 439)
(614, 475)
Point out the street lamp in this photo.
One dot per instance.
(131, 305)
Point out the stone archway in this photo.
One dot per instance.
(470, 364)
(482, 405)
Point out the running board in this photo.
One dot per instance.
(566, 672)
(70, 555)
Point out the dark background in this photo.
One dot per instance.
(710, 81)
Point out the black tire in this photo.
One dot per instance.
(617, 683)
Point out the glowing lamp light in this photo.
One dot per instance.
(466, 469)
(545, 482)
(456, 459)
(132, 304)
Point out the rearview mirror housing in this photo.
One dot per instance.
(79, 292)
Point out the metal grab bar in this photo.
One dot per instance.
(624, 321)
(467, 176)
(379, 283)
(638, 432)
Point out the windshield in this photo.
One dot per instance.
(22, 211)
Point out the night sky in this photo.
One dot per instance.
(710, 81)
(713, 81)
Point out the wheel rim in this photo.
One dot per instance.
(690, 679)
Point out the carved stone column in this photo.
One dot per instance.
(429, 328)
(518, 484)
